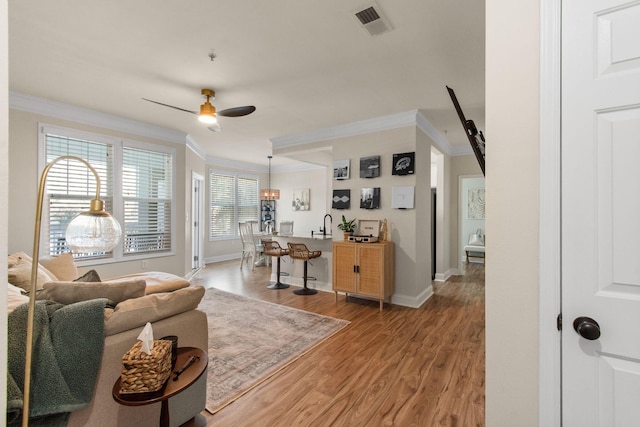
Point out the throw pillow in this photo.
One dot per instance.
(151, 308)
(63, 266)
(71, 292)
(15, 297)
(15, 257)
(89, 276)
(476, 240)
(20, 275)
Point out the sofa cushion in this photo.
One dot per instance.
(136, 312)
(157, 281)
(15, 297)
(71, 292)
(20, 275)
(63, 266)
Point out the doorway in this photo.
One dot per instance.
(471, 215)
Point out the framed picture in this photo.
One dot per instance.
(475, 204)
(403, 163)
(370, 198)
(301, 199)
(370, 167)
(341, 199)
(341, 169)
(402, 197)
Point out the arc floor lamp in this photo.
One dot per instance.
(92, 231)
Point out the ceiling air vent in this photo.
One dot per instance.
(373, 21)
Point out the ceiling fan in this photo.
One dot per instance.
(208, 113)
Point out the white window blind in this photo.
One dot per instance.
(247, 199)
(146, 190)
(232, 199)
(136, 185)
(71, 185)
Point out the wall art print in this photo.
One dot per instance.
(341, 199)
(341, 169)
(370, 198)
(475, 204)
(370, 167)
(403, 163)
(402, 197)
(301, 200)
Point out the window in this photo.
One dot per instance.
(146, 192)
(136, 185)
(233, 198)
(71, 185)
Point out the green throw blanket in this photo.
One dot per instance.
(67, 350)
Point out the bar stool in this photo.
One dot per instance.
(272, 248)
(300, 251)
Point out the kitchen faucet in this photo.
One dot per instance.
(324, 224)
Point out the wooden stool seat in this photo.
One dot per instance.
(273, 248)
(301, 252)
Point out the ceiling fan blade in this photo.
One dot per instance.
(214, 127)
(171, 106)
(237, 111)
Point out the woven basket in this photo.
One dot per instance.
(144, 373)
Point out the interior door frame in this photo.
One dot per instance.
(550, 363)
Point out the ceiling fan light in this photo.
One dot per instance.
(207, 113)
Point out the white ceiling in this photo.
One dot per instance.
(305, 65)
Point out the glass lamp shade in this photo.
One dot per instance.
(207, 113)
(91, 232)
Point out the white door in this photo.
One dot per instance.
(601, 212)
(197, 232)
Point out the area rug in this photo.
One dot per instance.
(250, 340)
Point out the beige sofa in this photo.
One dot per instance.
(167, 301)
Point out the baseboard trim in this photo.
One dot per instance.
(443, 277)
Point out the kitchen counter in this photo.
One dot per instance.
(320, 267)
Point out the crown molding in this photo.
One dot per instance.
(195, 147)
(235, 164)
(349, 129)
(393, 121)
(36, 105)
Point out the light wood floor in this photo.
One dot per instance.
(399, 367)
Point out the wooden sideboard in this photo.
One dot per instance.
(365, 269)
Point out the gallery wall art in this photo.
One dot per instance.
(475, 204)
(370, 167)
(341, 169)
(370, 198)
(301, 200)
(403, 163)
(341, 199)
(402, 197)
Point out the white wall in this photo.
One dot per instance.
(316, 179)
(512, 212)
(4, 188)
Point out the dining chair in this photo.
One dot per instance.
(250, 248)
(286, 228)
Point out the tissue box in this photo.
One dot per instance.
(144, 373)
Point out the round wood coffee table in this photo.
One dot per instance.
(171, 388)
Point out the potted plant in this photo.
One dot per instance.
(347, 227)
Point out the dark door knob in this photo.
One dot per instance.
(587, 328)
